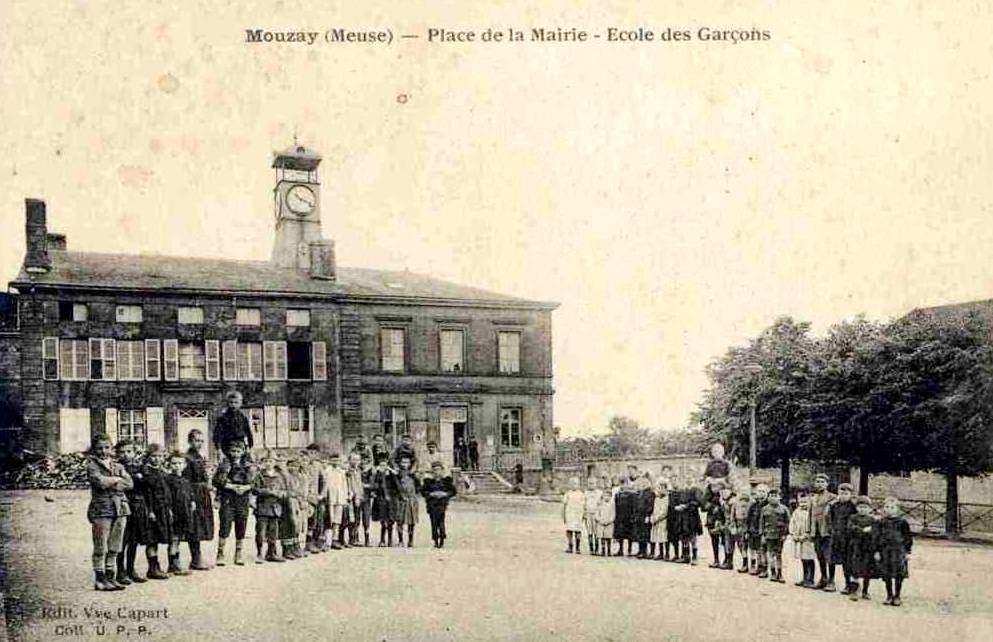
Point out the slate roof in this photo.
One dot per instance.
(186, 274)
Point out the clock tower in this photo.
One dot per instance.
(297, 206)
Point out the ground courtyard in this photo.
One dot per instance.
(502, 576)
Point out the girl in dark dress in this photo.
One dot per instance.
(644, 504)
(136, 530)
(183, 509)
(676, 519)
(158, 498)
(895, 542)
(623, 505)
(863, 545)
(202, 521)
(692, 526)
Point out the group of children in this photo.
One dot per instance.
(663, 517)
(309, 503)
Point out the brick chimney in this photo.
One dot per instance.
(36, 257)
(322, 260)
(56, 241)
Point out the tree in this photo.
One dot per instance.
(945, 364)
(626, 437)
(771, 372)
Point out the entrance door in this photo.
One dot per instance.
(453, 424)
(188, 419)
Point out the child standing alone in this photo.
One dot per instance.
(108, 512)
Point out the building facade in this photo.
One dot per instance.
(145, 347)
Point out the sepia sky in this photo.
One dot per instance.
(673, 197)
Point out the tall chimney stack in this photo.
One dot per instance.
(322, 260)
(36, 257)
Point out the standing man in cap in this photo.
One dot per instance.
(820, 528)
(232, 425)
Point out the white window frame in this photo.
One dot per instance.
(212, 359)
(79, 351)
(153, 360)
(105, 352)
(388, 347)
(445, 358)
(249, 362)
(274, 360)
(199, 363)
(170, 360)
(508, 363)
(80, 312)
(229, 354)
(50, 354)
(127, 420)
(509, 442)
(129, 313)
(189, 315)
(248, 317)
(297, 318)
(131, 360)
(319, 360)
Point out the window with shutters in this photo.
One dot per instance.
(129, 314)
(189, 316)
(510, 427)
(297, 318)
(131, 425)
(249, 361)
(509, 352)
(394, 423)
(229, 353)
(74, 357)
(50, 358)
(192, 363)
(130, 360)
(320, 359)
(274, 360)
(213, 357)
(153, 360)
(103, 359)
(298, 360)
(392, 349)
(452, 350)
(170, 359)
(248, 316)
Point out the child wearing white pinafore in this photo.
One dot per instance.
(573, 507)
(660, 510)
(591, 503)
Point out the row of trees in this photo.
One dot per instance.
(625, 437)
(912, 394)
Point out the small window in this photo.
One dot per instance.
(509, 349)
(130, 360)
(392, 348)
(298, 318)
(298, 360)
(129, 314)
(190, 316)
(74, 358)
(69, 311)
(510, 427)
(153, 359)
(131, 425)
(249, 361)
(452, 350)
(299, 419)
(103, 359)
(394, 423)
(191, 361)
(50, 358)
(248, 317)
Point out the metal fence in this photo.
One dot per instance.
(928, 516)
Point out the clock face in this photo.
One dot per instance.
(301, 200)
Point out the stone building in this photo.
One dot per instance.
(145, 346)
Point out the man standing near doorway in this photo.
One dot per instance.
(473, 453)
(232, 426)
